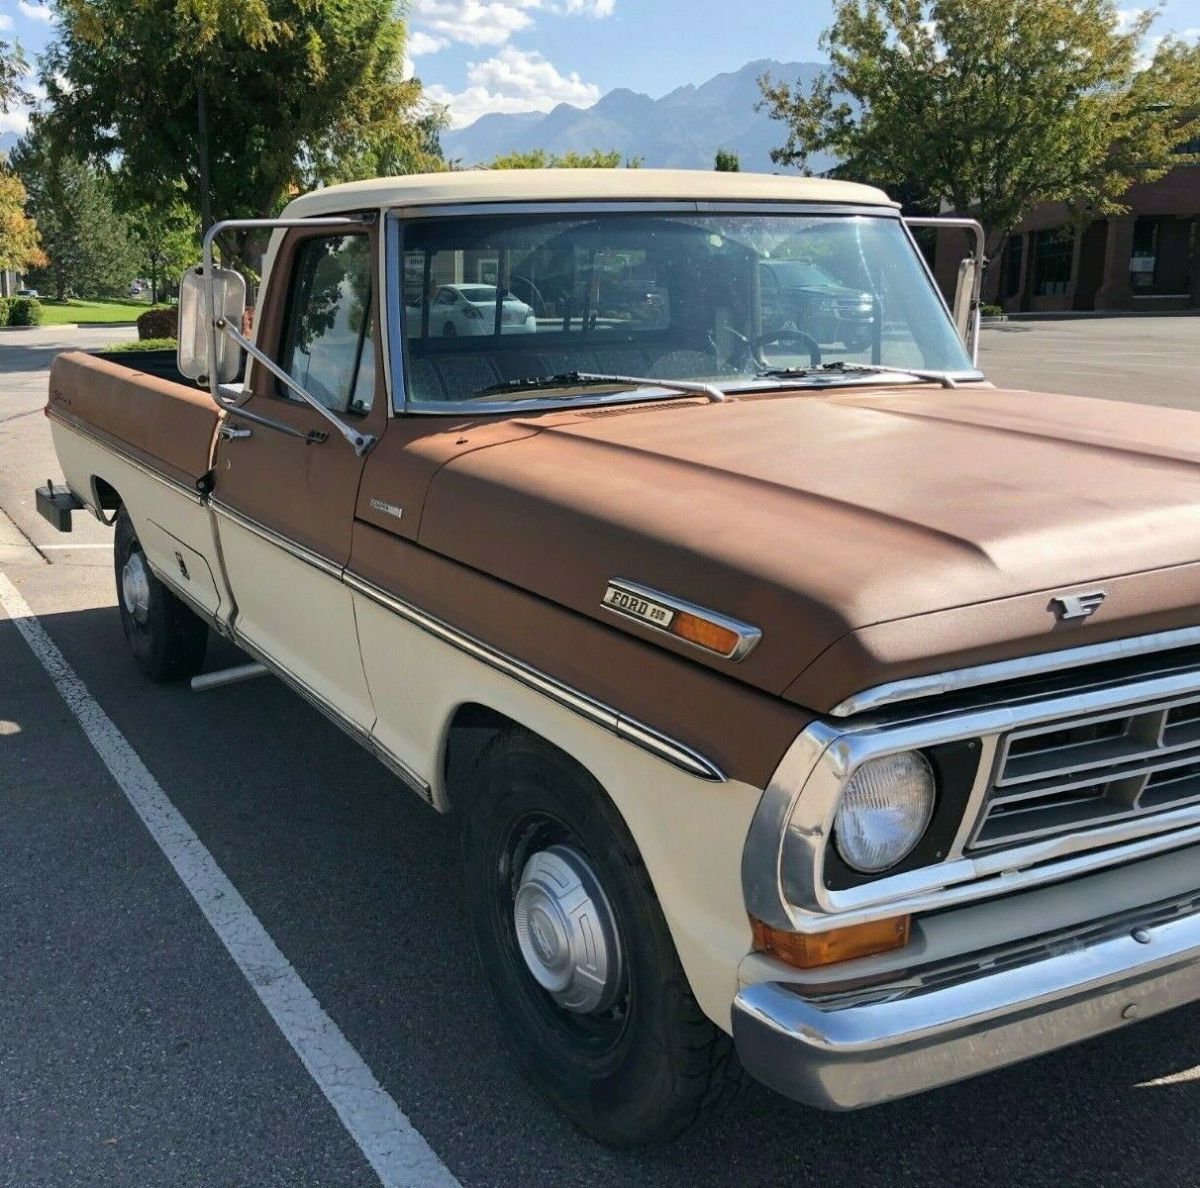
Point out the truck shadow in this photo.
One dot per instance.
(359, 884)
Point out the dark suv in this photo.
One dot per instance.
(802, 296)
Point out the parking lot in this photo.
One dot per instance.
(136, 1050)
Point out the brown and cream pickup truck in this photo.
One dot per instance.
(812, 708)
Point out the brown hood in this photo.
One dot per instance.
(869, 535)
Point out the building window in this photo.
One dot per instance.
(1053, 253)
(1143, 261)
(1014, 252)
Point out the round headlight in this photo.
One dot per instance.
(884, 811)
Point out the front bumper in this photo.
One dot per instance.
(845, 1054)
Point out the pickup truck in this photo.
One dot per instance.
(813, 709)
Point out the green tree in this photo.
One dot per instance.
(989, 106)
(19, 248)
(12, 70)
(294, 93)
(726, 161)
(85, 240)
(166, 241)
(541, 159)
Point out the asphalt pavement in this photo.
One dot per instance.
(134, 1050)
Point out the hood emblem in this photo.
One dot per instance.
(1077, 606)
(696, 625)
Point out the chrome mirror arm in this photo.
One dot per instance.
(361, 442)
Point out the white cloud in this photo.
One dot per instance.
(514, 80)
(5, 23)
(36, 12)
(476, 22)
(591, 8)
(16, 120)
(424, 43)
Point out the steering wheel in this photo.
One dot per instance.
(806, 341)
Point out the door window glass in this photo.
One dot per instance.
(328, 347)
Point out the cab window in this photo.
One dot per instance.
(329, 345)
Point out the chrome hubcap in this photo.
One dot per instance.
(566, 932)
(135, 587)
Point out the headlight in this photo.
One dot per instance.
(884, 811)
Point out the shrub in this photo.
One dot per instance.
(24, 311)
(158, 323)
(143, 344)
(992, 311)
(4, 303)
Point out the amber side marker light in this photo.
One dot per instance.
(704, 634)
(807, 951)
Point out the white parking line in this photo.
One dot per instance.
(395, 1149)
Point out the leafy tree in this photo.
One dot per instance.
(294, 93)
(541, 159)
(166, 241)
(726, 161)
(19, 249)
(84, 238)
(12, 70)
(990, 106)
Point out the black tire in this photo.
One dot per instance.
(644, 1069)
(170, 643)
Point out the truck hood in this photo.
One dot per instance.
(869, 535)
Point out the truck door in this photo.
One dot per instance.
(285, 484)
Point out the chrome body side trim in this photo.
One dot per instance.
(783, 864)
(958, 680)
(907, 1038)
(272, 537)
(595, 711)
(190, 493)
(747, 636)
(398, 767)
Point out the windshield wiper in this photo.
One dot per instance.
(589, 379)
(938, 377)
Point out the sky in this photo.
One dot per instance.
(480, 56)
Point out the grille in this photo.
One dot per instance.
(1093, 772)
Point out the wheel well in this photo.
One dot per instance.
(471, 728)
(105, 494)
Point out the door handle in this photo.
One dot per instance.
(229, 432)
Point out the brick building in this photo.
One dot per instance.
(1148, 259)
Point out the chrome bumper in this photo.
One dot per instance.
(842, 1057)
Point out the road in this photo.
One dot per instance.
(133, 1049)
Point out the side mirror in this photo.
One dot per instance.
(229, 302)
(966, 301)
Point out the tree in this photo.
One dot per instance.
(726, 161)
(12, 70)
(85, 240)
(989, 106)
(19, 250)
(166, 241)
(293, 92)
(541, 159)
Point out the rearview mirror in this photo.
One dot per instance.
(229, 302)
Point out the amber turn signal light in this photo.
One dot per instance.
(809, 950)
(704, 633)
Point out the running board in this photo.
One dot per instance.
(227, 676)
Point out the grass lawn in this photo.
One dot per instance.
(58, 313)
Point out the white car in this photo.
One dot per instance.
(471, 309)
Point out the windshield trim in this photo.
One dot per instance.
(392, 247)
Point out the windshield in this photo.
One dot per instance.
(715, 298)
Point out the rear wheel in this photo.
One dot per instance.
(590, 991)
(167, 638)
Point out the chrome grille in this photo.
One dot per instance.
(1076, 775)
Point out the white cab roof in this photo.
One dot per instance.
(580, 185)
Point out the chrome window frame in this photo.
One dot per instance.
(783, 861)
(392, 243)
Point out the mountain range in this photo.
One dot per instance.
(682, 130)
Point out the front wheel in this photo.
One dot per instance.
(167, 638)
(578, 957)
